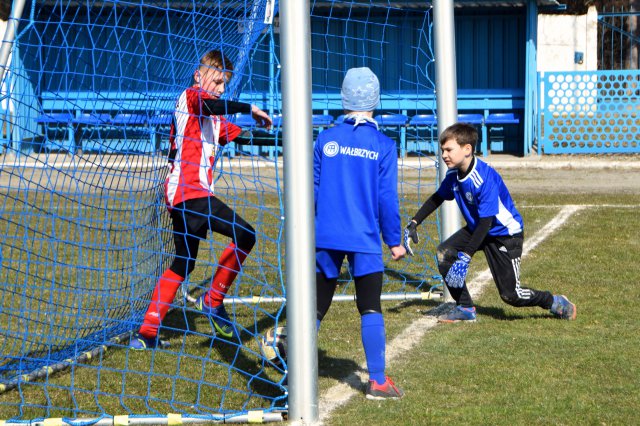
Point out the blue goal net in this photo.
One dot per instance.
(86, 110)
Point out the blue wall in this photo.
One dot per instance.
(490, 51)
(115, 48)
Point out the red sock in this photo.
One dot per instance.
(229, 266)
(161, 300)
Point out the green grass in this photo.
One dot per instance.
(58, 289)
(514, 366)
(519, 366)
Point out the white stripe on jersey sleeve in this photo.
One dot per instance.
(476, 178)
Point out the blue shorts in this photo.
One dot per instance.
(329, 263)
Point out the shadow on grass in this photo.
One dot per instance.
(417, 282)
(179, 321)
(426, 306)
(340, 369)
(528, 313)
(262, 377)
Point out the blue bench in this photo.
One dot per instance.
(317, 120)
(476, 119)
(479, 102)
(430, 122)
(422, 123)
(130, 131)
(107, 112)
(502, 118)
(74, 129)
(159, 125)
(424, 120)
(495, 123)
(321, 120)
(130, 119)
(399, 122)
(60, 124)
(485, 100)
(244, 120)
(156, 107)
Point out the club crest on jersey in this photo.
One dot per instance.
(469, 197)
(331, 149)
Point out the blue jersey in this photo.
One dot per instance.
(356, 194)
(482, 193)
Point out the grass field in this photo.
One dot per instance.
(520, 366)
(514, 366)
(72, 267)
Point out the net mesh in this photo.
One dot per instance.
(84, 231)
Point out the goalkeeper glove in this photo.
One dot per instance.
(410, 234)
(458, 271)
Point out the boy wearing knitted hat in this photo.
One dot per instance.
(356, 200)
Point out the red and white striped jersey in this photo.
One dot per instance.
(195, 139)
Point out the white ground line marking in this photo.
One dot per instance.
(590, 206)
(341, 393)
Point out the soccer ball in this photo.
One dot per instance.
(273, 345)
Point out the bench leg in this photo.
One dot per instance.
(484, 143)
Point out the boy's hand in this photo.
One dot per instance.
(410, 234)
(397, 252)
(261, 117)
(458, 271)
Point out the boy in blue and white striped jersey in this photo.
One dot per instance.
(493, 225)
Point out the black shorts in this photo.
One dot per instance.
(192, 219)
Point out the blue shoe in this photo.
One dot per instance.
(140, 343)
(459, 314)
(218, 316)
(563, 308)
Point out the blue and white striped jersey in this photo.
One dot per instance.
(482, 193)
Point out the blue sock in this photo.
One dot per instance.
(317, 325)
(374, 342)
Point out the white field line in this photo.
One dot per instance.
(584, 206)
(341, 393)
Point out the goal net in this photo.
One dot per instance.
(85, 109)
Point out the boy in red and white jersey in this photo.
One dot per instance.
(198, 131)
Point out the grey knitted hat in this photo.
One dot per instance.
(360, 90)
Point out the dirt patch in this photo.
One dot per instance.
(572, 181)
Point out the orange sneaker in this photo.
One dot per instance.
(387, 390)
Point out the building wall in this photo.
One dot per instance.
(561, 37)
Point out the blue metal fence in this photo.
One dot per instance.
(593, 112)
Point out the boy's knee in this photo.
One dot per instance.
(445, 256)
(510, 298)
